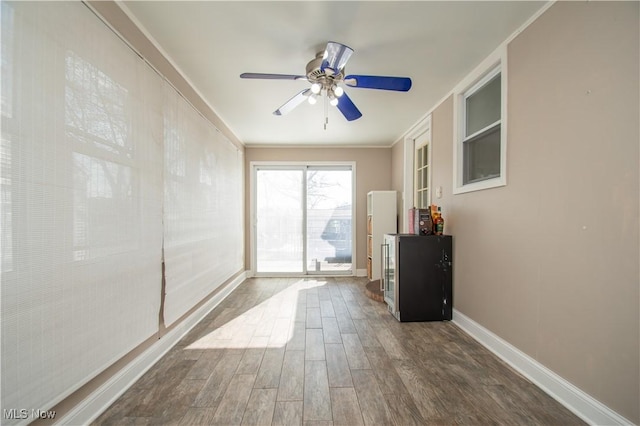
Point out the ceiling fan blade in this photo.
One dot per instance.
(401, 84)
(335, 57)
(348, 108)
(262, 76)
(293, 102)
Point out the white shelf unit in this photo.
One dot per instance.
(382, 218)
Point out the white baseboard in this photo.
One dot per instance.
(99, 400)
(361, 272)
(582, 405)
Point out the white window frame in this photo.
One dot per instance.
(301, 165)
(426, 167)
(492, 66)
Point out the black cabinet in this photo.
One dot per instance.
(417, 276)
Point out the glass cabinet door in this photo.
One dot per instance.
(390, 270)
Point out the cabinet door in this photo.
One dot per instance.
(420, 279)
(389, 271)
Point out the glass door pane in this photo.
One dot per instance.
(329, 219)
(421, 182)
(279, 215)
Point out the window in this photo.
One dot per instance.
(303, 221)
(105, 172)
(480, 154)
(422, 197)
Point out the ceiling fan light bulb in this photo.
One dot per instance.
(313, 99)
(333, 101)
(338, 91)
(315, 88)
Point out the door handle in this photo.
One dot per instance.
(382, 268)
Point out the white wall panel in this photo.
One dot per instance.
(202, 210)
(81, 211)
(105, 171)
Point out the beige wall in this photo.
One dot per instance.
(550, 262)
(373, 172)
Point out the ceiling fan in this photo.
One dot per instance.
(326, 74)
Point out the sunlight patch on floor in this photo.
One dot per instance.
(270, 324)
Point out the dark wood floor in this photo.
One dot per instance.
(317, 351)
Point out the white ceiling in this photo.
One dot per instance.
(436, 44)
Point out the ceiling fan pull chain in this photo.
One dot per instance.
(326, 112)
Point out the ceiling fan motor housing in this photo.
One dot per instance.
(316, 75)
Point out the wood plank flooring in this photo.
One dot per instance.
(291, 351)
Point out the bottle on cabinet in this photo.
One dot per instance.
(433, 209)
(438, 223)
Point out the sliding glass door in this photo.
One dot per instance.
(279, 218)
(303, 219)
(329, 220)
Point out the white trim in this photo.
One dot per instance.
(361, 272)
(303, 165)
(305, 237)
(494, 64)
(313, 146)
(482, 82)
(253, 221)
(99, 400)
(408, 189)
(483, 130)
(581, 404)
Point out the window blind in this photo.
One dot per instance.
(202, 207)
(81, 201)
(102, 162)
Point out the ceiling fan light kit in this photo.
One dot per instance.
(325, 72)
